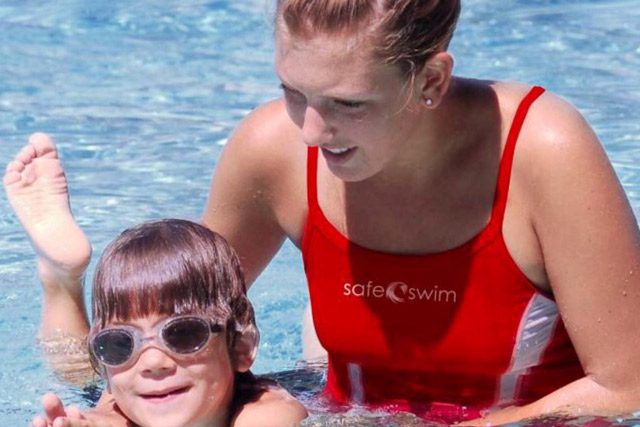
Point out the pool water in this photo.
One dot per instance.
(141, 96)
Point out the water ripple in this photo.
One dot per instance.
(141, 95)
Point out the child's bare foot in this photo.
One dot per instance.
(37, 191)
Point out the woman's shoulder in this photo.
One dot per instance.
(549, 117)
(551, 123)
(556, 143)
(552, 129)
(273, 407)
(266, 143)
(268, 124)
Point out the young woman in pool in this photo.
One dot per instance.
(457, 234)
(173, 332)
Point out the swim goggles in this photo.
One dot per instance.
(116, 346)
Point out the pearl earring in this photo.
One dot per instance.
(428, 102)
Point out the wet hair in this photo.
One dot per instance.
(171, 267)
(402, 32)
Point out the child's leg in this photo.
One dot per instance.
(37, 191)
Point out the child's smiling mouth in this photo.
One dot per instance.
(164, 395)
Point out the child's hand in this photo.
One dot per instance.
(56, 415)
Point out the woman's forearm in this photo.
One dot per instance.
(582, 397)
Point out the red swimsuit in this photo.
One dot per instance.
(462, 326)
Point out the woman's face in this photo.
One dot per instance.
(161, 389)
(359, 112)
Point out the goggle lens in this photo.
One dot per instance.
(113, 346)
(185, 336)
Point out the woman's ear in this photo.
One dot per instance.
(434, 79)
(245, 347)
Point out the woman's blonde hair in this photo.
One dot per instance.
(403, 32)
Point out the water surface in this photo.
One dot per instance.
(142, 95)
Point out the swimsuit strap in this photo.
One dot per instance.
(312, 178)
(504, 173)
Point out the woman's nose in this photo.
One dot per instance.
(316, 130)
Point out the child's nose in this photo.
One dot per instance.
(153, 360)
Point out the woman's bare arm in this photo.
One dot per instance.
(255, 200)
(591, 248)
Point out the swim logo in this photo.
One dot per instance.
(392, 289)
(399, 292)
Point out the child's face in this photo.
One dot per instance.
(162, 389)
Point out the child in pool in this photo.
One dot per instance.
(173, 331)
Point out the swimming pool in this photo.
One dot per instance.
(141, 95)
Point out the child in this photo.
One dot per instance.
(173, 331)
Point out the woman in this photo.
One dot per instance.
(455, 232)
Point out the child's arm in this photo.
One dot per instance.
(274, 408)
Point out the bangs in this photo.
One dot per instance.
(165, 296)
(161, 273)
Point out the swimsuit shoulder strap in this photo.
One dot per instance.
(312, 178)
(504, 173)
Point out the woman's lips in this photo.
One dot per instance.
(337, 150)
(338, 156)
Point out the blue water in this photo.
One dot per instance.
(141, 96)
